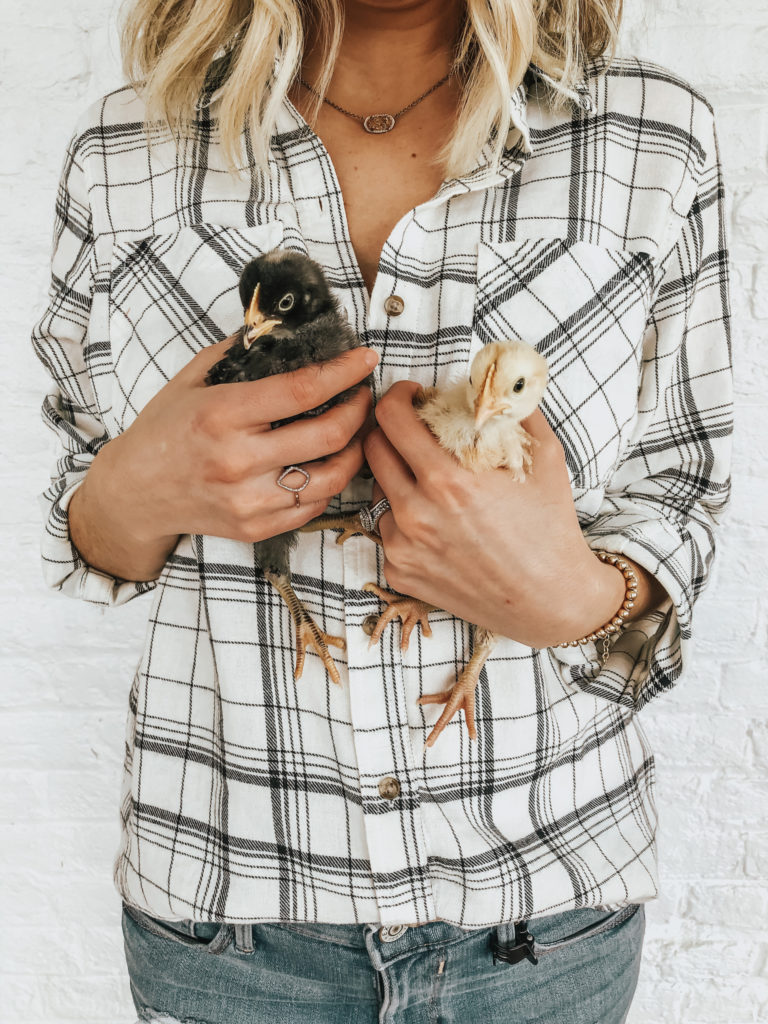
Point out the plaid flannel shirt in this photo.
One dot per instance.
(250, 797)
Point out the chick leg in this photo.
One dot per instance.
(462, 693)
(349, 525)
(308, 633)
(408, 609)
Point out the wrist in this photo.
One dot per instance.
(120, 493)
(101, 527)
(592, 594)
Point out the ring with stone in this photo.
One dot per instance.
(287, 487)
(370, 516)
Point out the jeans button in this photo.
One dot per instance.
(391, 932)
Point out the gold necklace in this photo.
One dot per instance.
(378, 124)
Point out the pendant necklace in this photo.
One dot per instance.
(378, 124)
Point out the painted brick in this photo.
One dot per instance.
(66, 667)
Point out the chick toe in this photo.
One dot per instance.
(308, 633)
(349, 524)
(409, 610)
(462, 693)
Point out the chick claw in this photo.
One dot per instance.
(349, 525)
(408, 609)
(308, 633)
(462, 693)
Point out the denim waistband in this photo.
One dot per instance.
(511, 942)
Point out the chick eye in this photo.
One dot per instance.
(519, 385)
(286, 302)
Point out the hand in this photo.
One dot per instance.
(205, 460)
(507, 556)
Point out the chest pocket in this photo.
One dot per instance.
(169, 296)
(585, 308)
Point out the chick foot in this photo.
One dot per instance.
(308, 633)
(349, 525)
(462, 693)
(409, 610)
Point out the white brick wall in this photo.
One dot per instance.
(66, 666)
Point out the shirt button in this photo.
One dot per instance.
(389, 787)
(369, 624)
(394, 305)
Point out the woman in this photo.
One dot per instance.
(300, 832)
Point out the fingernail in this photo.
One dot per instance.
(371, 357)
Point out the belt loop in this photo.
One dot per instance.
(244, 938)
(221, 940)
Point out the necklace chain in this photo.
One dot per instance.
(377, 124)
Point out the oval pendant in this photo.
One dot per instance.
(377, 124)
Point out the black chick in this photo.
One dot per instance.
(291, 320)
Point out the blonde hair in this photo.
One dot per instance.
(171, 48)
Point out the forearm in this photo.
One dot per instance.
(103, 529)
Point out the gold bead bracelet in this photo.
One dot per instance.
(616, 624)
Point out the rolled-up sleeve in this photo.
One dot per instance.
(667, 495)
(70, 408)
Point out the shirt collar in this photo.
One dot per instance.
(519, 134)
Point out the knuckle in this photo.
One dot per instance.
(230, 468)
(241, 509)
(243, 532)
(209, 420)
(448, 486)
(338, 478)
(372, 442)
(335, 434)
(552, 450)
(384, 407)
(302, 391)
(311, 511)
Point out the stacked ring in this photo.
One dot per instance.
(370, 516)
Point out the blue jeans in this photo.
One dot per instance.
(578, 967)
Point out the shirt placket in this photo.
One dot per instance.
(391, 770)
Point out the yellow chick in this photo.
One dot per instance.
(478, 420)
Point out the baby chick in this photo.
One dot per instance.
(291, 320)
(478, 421)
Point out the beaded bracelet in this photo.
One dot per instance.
(617, 622)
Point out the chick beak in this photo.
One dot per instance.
(256, 323)
(485, 404)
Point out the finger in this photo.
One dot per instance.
(391, 471)
(406, 432)
(537, 425)
(317, 436)
(326, 478)
(253, 403)
(195, 371)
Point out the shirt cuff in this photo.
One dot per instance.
(650, 653)
(64, 568)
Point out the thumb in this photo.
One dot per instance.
(195, 371)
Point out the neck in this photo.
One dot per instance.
(390, 48)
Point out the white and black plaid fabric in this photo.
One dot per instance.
(250, 797)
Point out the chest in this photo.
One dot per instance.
(483, 260)
(384, 176)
